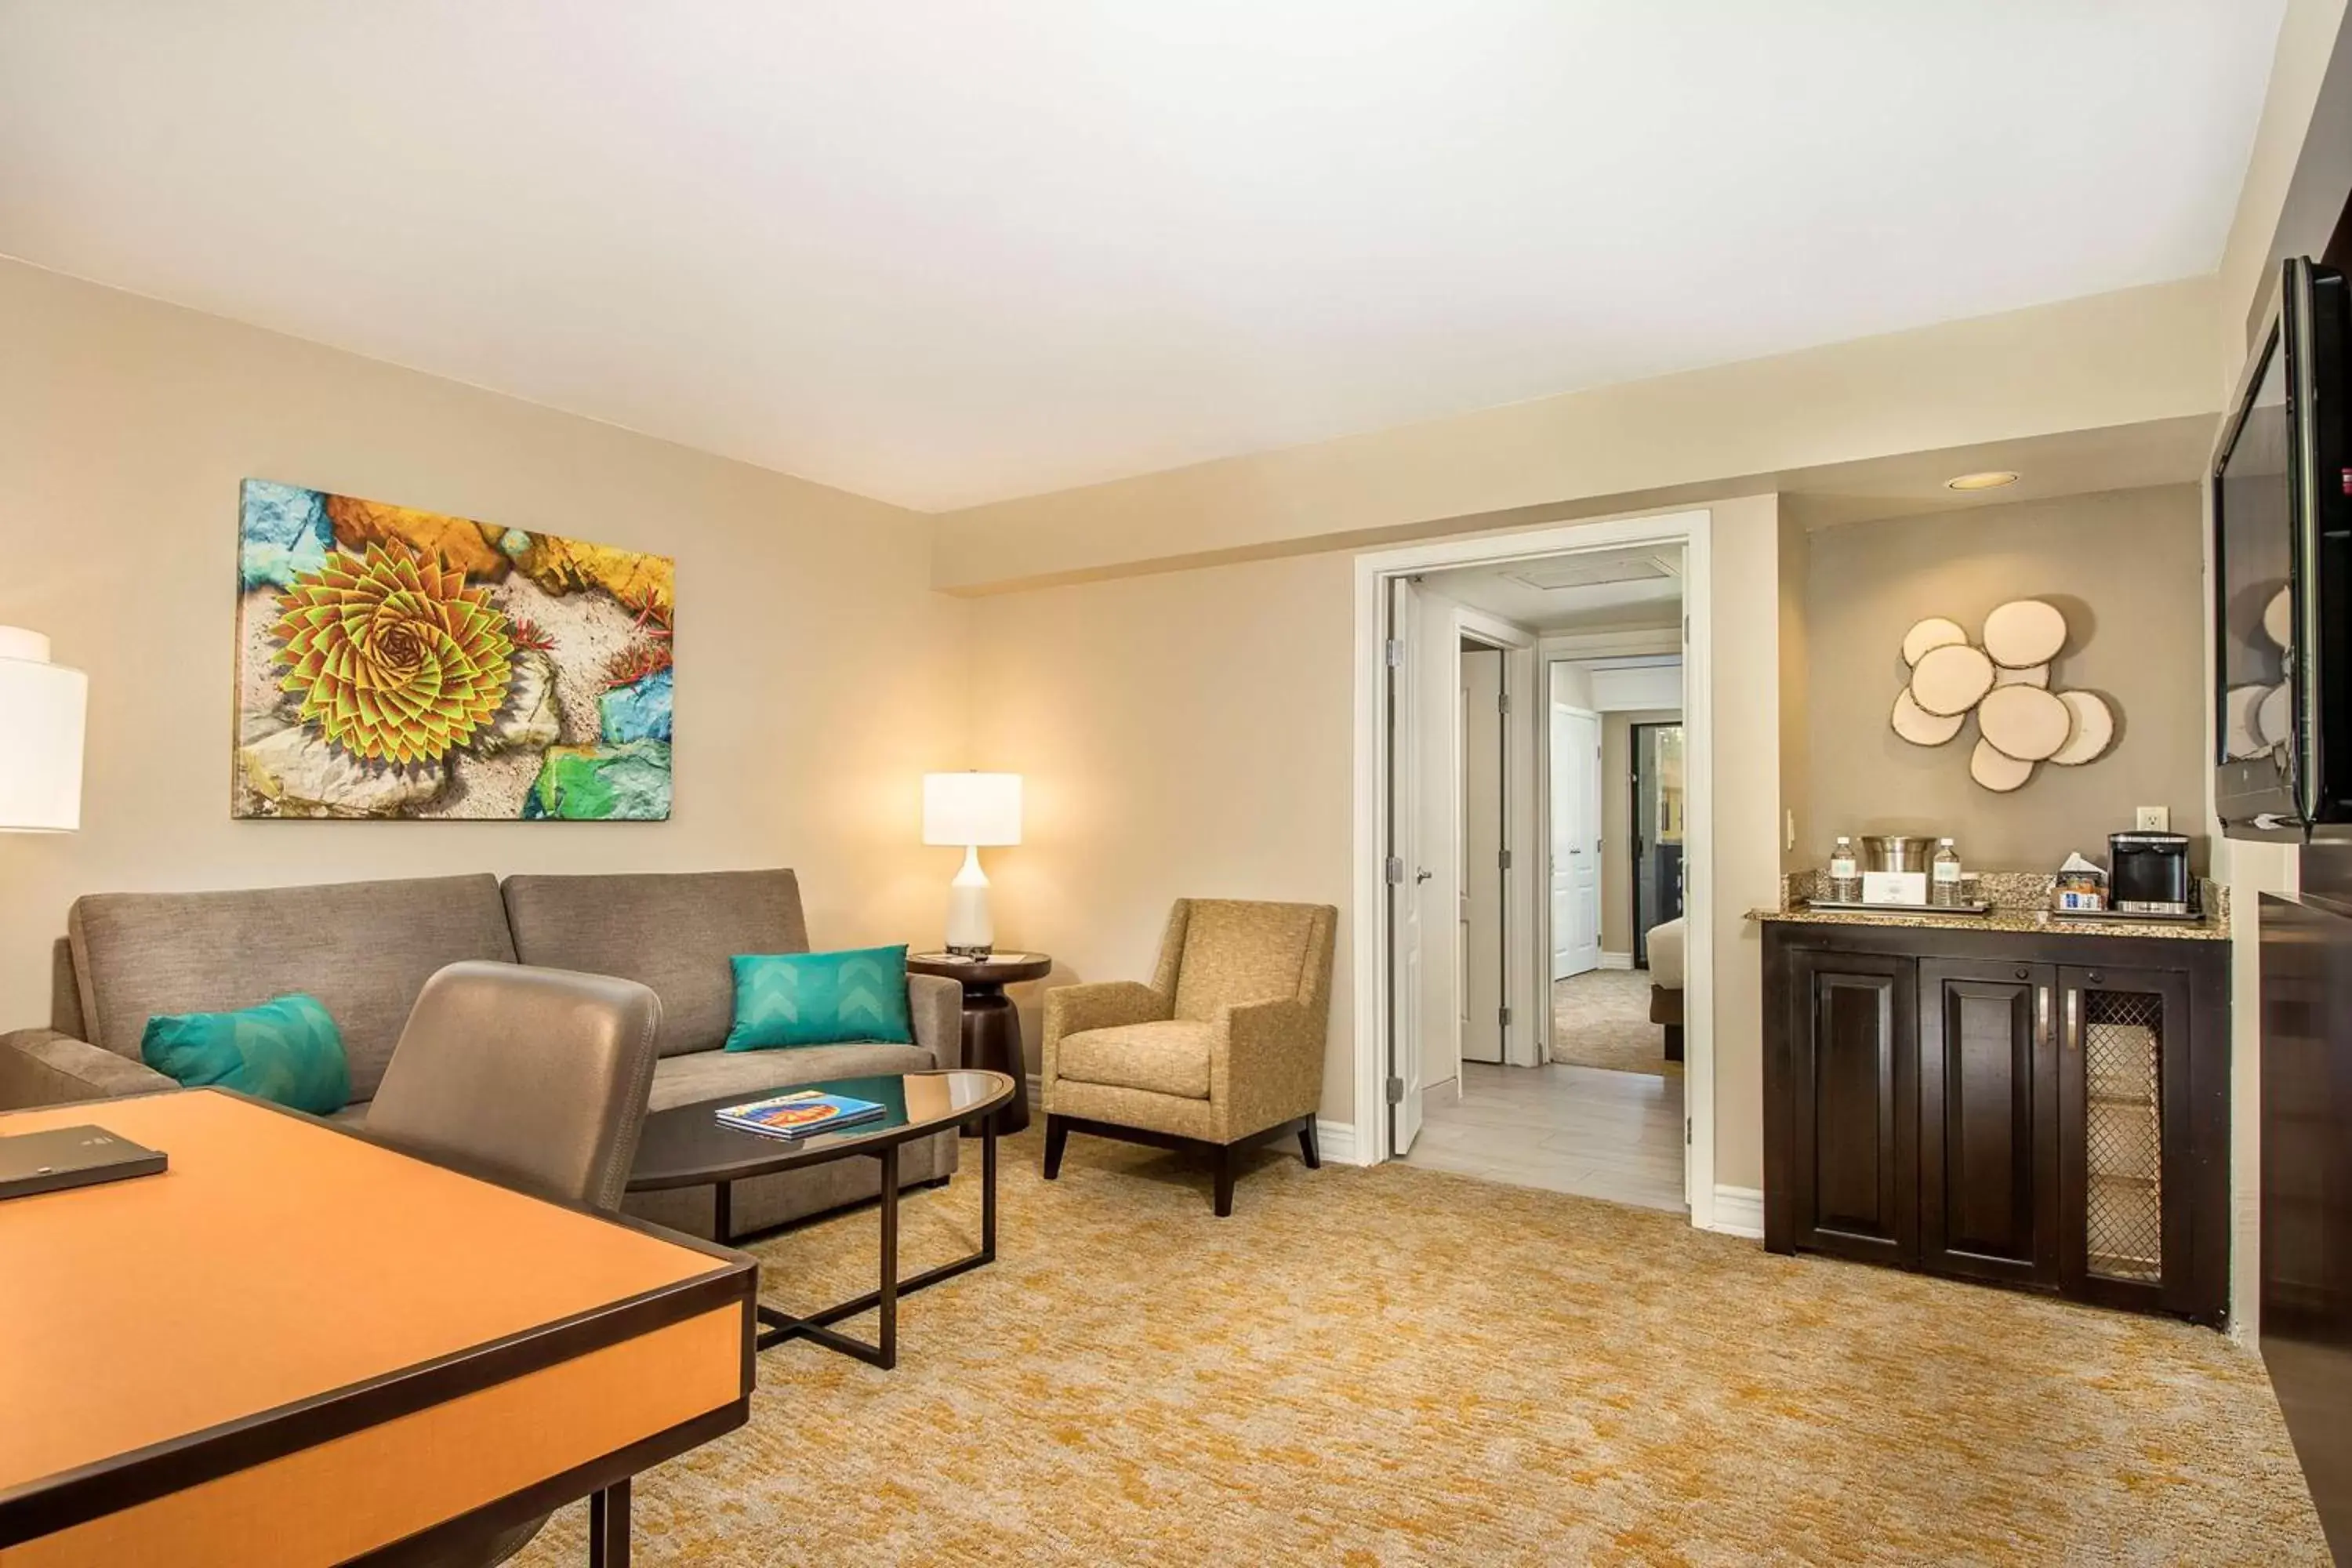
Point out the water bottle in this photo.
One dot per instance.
(1944, 876)
(1845, 873)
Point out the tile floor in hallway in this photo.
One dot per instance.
(1599, 1134)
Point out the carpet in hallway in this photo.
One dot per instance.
(1394, 1367)
(1601, 1019)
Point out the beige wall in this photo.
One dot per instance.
(2125, 567)
(1729, 430)
(1617, 823)
(1744, 728)
(1191, 733)
(819, 676)
(1180, 735)
(1796, 694)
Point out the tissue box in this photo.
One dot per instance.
(1895, 887)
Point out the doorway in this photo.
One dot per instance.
(1548, 799)
(1657, 811)
(1483, 914)
(1576, 834)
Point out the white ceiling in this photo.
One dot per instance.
(1591, 590)
(942, 253)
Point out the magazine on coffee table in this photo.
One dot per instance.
(800, 1114)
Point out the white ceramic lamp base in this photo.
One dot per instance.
(971, 932)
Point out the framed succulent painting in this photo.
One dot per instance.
(394, 663)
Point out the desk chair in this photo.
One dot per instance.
(534, 1078)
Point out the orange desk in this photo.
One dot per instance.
(296, 1347)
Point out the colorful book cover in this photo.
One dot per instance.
(800, 1113)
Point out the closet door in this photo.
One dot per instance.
(1989, 1115)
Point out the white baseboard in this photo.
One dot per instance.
(1739, 1211)
(1335, 1142)
(1616, 960)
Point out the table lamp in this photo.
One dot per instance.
(970, 810)
(41, 707)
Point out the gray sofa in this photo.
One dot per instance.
(365, 949)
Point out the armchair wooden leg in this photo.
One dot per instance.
(1225, 1161)
(1307, 1148)
(1057, 1137)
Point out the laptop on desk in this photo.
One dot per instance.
(70, 1157)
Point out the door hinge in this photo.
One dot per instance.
(1503, 1016)
(1502, 703)
(1503, 858)
(1686, 1131)
(1396, 1092)
(1394, 653)
(1395, 872)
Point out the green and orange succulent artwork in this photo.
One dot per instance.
(392, 654)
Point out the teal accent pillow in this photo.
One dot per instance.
(820, 998)
(286, 1050)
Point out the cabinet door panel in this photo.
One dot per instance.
(2123, 1064)
(1851, 1049)
(1987, 1122)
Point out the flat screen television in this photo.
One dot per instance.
(2282, 511)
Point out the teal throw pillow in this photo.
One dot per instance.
(286, 1050)
(820, 998)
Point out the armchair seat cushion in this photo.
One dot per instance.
(1169, 1058)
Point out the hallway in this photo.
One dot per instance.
(1598, 1134)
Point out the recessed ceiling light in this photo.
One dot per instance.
(1991, 479)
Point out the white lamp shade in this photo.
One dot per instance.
(41, 707)
(965, 809)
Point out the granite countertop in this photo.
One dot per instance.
(2019, 902)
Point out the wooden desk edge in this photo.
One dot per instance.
(52, 1503)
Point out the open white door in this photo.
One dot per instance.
(1483, 830)
(1575, 841)
(1406, 869)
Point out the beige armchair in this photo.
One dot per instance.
(1221, 1050)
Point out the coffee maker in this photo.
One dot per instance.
(2147, 874)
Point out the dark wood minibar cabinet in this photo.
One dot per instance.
(2009, 1099)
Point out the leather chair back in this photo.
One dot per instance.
(535, 1077)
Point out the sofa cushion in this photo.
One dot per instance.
(675, 932)
(1237, 951)
(286, 1051)
(362, 949)
(798, 999)
(1169, 1058)
(708, 1075)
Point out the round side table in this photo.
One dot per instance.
(991, 1026)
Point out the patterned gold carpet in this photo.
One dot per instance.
(1601, 1019)
(1397, 1366)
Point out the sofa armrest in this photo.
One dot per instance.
(936, 1006)
(1101, 1004)
(41, 1067)
(1266, 1065)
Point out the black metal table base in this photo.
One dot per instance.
(777, 1326)
(608, 1527)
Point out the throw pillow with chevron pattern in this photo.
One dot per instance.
(820, 999)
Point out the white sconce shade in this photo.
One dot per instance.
(41, 708)
(961, 810)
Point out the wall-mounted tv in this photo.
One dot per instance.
(2282, 511)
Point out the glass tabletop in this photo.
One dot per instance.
(687, 1146)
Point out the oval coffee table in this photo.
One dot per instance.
(686, 1146)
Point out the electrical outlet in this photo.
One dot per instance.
(2151, 819)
